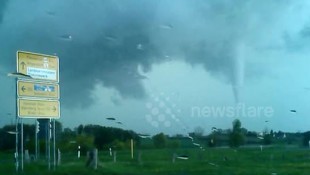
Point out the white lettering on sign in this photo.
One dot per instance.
(39, 73)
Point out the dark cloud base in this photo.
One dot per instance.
(130, 34)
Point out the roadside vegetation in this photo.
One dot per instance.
(220, 152)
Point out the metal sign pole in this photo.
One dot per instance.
(36, 138)
(131, 145)
(54, 140)
(49, 144)
(22, 143)
(16, 131)
(16, 144)
(46, 140)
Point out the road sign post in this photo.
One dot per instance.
(54, 142)
(39, 97)
(22, 143)
(37, 125)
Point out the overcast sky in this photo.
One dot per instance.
(167, 65)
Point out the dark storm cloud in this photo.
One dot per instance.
(114, 66)
(106, 41)
(3, 4)
(110, 57)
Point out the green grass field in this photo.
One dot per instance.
(212, 161)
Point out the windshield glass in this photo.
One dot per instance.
(154, 87)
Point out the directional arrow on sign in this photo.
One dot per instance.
(23, 65)
(54, 108)
(23, 88)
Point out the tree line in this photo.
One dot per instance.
(103, 138)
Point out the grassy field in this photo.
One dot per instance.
(212, 161)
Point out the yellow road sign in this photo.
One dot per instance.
(38, 66)
(31, 108)
(37, 89)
